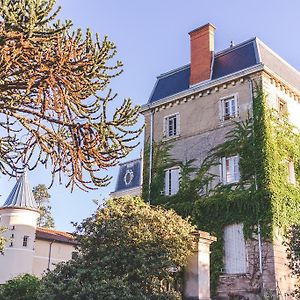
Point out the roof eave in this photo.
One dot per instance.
(202, 86)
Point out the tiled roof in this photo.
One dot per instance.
(229, 61)
(55, 235)
(21, 195)
(130, 175)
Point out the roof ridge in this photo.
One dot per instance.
(173, 71)
(229, 49)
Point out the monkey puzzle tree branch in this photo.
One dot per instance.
(51, 81)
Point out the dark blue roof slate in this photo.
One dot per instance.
(234, 60)
(229, 61)
(130, 175)
(171, 83)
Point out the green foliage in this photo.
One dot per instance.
(127, 249)
(293, 253)
(264, 143)
(24, 287)
(42, 198)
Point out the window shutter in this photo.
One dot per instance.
(221, 110)
(167, 182)
(236, 113)
(165, 127)
(236, 172)
(223, 174)
(291, 170)
(178, 124)
(174, 181)
(235, 249)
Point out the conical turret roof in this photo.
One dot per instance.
(21, 195)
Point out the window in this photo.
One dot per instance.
(282, 107)
(171, 126)
(291, 172)
(230, 169)
(229, 108)
(172, 181)
(235, 249)
(25, 240)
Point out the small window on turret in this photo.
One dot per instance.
(25, 240)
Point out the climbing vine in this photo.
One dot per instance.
(267, 145)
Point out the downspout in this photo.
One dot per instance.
(256, 188)
(49, 256)
(150, 154)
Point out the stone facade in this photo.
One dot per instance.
(202, 128)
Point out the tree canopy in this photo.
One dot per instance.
(42, 198)
(24, 287)
(127, 250)
(54, 97)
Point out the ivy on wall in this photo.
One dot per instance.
(266, 144)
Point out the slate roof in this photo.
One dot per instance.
(130, 175)
(55, 235)
(21, 195)
(229, 61)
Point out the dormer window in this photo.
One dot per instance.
(172, 125)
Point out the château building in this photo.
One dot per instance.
(192, 108)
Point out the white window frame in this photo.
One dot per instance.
(233, 102)
(291, 172)
(172, 183)
(230, 172)
(235, 253)
(282, 106)
(171, 133)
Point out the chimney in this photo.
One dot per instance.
(202, 49)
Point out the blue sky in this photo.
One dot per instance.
(152, 38)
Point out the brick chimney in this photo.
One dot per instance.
(202, 49)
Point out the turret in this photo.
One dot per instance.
(19, 216)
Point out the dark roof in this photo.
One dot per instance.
(21, 195)
(237, 58)
(130, 175)
(278, 65)
(55, 235)
(171, 83)
(234, 60)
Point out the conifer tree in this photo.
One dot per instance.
(54, 97)
(42, 198)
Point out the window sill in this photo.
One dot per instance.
(223, 122)
(223, 275)
(165, 139)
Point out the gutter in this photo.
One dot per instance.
(49, 256)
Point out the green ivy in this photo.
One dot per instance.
(263, 196)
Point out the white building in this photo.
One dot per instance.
(29, 249)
